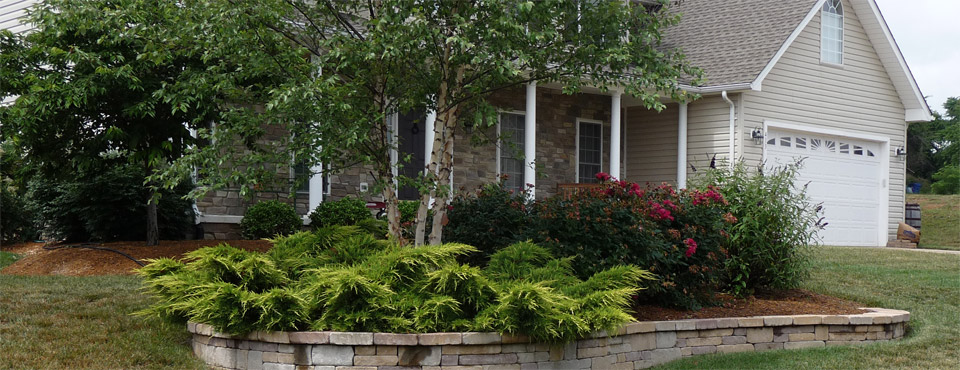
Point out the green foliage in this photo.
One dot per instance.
(268, 219)
(490, 219)
(932, 147)
(947, 180)
(107, 202)
(17, 222)
(345, 211)
(776, 223)
(340, 278)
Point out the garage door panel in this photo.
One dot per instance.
(842, 174)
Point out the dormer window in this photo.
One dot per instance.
(831, 32)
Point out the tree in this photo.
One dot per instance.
(933, 149)
(87, 80)
(376, 58)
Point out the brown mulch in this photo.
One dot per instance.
(85, 262)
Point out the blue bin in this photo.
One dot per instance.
(915, 187)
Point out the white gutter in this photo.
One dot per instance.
(714, 89)
(682, 148)
(733, 118)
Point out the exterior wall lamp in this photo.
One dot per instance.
(901, 152)
(757, 136)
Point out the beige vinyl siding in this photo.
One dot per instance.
(11, 12)
(708, 132)
(858, 97)
(651, 145)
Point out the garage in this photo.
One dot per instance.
(843, 174)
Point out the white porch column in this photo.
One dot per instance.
(316, 187)
(616, 97)
(429, 137)
(682, 148)
(530, 139)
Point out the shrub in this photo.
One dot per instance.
(947, 180)
(492, 218)
(346, 280)
(106, 203)
(16, 218)
(768, 247)
(679, 235)
(268, 219)
(345, 211)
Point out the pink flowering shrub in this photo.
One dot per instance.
(679, 235)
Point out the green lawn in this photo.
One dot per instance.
(84, 322)
(926, 284)
(7, 258)
(71, 322)
(940, 218)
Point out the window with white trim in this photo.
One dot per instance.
(589, 151)
(831, 32)
(511, 149)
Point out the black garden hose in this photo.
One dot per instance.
(94, 247)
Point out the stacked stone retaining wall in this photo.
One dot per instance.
(635, 346)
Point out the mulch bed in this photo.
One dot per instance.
(85, 262)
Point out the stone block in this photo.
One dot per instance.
(716, 333)
(666, 339)
(706, 324)
(709, 341)
(395, 339)
(587, 343)
(730, 348)
(604, 362)
(501, 367)
(513, 348)
(376, 360)
(759, 335)
(386, 350)
(592, 352)
(276, 357)
(642, 342)
(687, 325)
(510, 339)
(767, 346)
(688, 334)
(835, 320)
(728, 323)
(525, 357)
(882, 319)
(254, 360)
(802, 337)
(807, 320)
(793, 329)
(781, 338)
(565, 365)
(733, 339)
(225, 357)
(530, 366)
(364, 350)
(659, 356)
(309, 337)
(276, 366)
(842, 329)
(803, 344)
(847, 336)
(449, 360)
(750, 322)
(325, 354)
(861, 320)
(419, 355)
(351, 339)
(777, 320)
(740, 331)
(699, 350)
(640, 327)
(504, 358)
(301, 354)
(666, 325)
(621, 348)
(820, 332)
(481, 338)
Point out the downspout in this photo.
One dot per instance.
(733, 120)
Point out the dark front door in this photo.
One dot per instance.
(411, 132)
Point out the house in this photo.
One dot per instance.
(822, 80)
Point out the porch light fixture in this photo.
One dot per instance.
(901, 152)
(757, 135)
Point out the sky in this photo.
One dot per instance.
(928, 33)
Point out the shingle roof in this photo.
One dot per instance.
(733, 40)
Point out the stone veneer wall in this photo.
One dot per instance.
(637, 345)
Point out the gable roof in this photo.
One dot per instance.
(738, 42)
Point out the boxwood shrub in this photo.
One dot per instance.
(268, 219)
(346, 211)
(339, 278)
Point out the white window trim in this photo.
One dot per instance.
(576, 166)
(883, 155)
(843, 39)
(499, 145)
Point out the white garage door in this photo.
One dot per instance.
(843, 174)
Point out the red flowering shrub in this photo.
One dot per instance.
(490, 219)
(678, 235)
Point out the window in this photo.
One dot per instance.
(831, 32)
(589, 151)
(301, 177)
(511, 150)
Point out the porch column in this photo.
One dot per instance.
(530, 140)
(428, 137)
(616, 97)
(316, 187)
(682, 148)
(393, 122)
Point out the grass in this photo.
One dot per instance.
(926, 284)
(940, 218)
(7, 259)
(84, 323)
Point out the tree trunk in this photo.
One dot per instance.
(393, 209)
(153, 230)
(443, 176)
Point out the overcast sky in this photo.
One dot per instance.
(928, 32)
